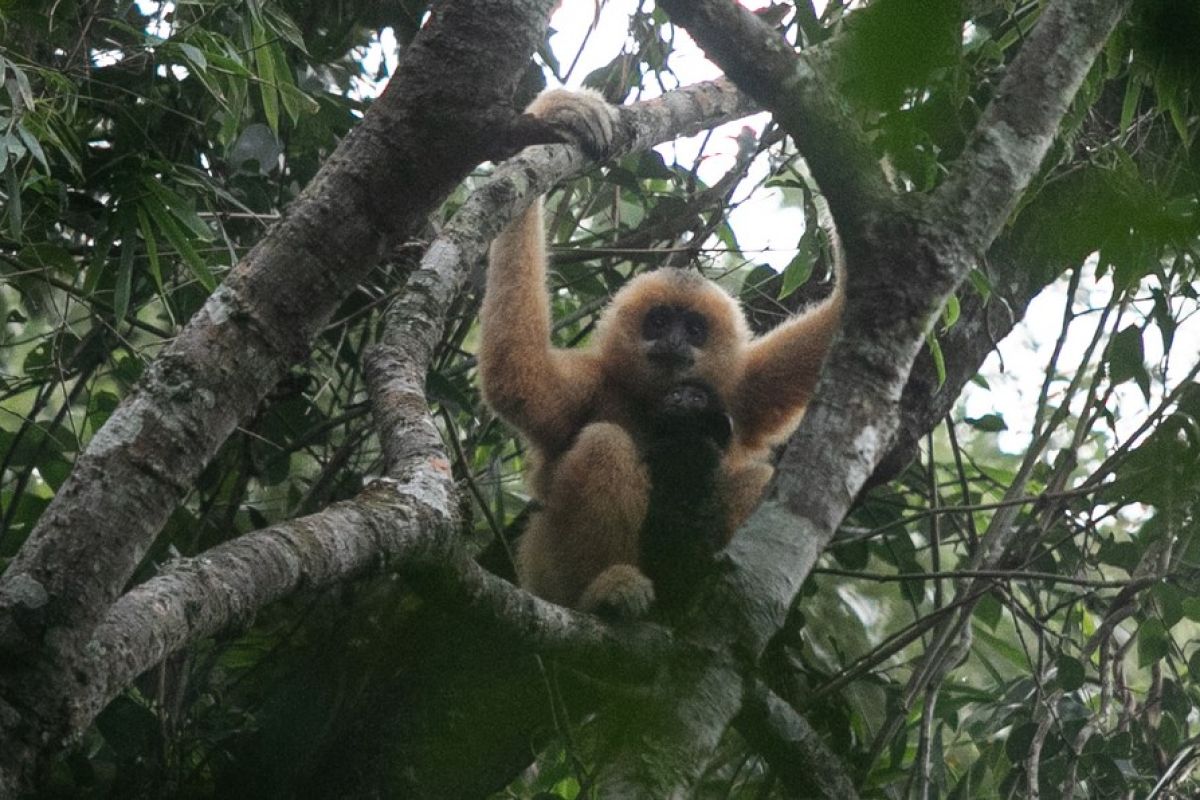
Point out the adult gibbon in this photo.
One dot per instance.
(601, 421)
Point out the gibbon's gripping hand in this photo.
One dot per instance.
(620, 593)
(581, 118)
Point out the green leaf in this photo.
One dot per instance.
(989, 611)
(24, 91)
(283, 26)
(15, 215)
(128, 727)
(1191, 608)
(1194, 666)
(950, 313)
(124, 283)
(1125, 555)
(34, 145)
(800, 268)
(1153, 642)
(1175, 108)
(180, 209)
(939, 358)
(179, 240)
(229, 65)
(293, 99)
(1126, 359)
(991, 423)
(1003, 647)
(1133, 94)
(1071, 673)
(151, 248)
(1169, 599)
(194, 55)
(267, 79)
(1019, 741)
(297, 102)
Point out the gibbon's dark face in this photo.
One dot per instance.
(672, 336)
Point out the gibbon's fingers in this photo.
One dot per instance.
(583, 118)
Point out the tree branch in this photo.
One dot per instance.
(791, 746)
(262, 317)
(789, 84)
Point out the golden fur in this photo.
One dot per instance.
(577, 409)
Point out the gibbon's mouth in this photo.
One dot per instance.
(670, 362)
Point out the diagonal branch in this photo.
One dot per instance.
(794, 750)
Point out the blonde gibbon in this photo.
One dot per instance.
(671, 402)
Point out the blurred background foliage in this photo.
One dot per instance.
(145, 147)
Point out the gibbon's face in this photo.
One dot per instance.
(670, 325)
(672, 337)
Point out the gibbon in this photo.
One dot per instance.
(672, 353)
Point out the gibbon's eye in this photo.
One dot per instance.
(656, 323)
(697, 328)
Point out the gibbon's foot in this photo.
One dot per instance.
(692, 408)
(582, 118)
(621, 592)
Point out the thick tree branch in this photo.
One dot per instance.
(405, 526)
(794, 750)
(423, 134)
(1011, 138)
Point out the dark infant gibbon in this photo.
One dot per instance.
(671, 389)
(683, 445)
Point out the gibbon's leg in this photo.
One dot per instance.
(540, 390)
(582, 549)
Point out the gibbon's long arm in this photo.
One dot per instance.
(781, 370)
(540, 390)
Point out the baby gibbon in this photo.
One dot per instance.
(683, 447)
(593, 416)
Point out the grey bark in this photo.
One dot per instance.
(794, 750)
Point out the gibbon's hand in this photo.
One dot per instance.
(582, 118)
